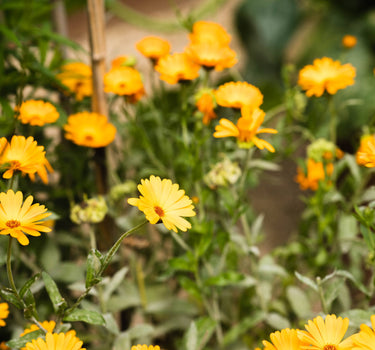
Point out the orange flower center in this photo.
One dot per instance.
(89, 138)
(12, 223)
(159, 211)
(330, 347)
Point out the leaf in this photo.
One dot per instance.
(58, 302)
(28, 284)
(111, 323)
(307, 281)
(22, 341)
(191, 337)
(9, 296)
(205, 326)
(114, 282)
(225, 279)
(277, 321)
(93, 265)
(122, 342)
(354, 168)
(299, 302)
(88, 316)
(359, 285)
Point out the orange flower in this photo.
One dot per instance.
(89, 130)
(153, 47)
(287, 339)
(124, 81)
(238, 94)
(325, 75)
(77, 77)
(365, 338)
(209, 33)
(349, 41)
(246, 130)
(366, 152)
(316, 171)
(122, 61)
(212, 55)
(23, 155)
(36, 112)
(177, 67)
(206, 104)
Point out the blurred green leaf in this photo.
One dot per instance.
(191, 340)
(58, 302)
(307, 281)
(88, 316)
(299, 302)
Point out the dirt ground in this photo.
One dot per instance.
(277, 196)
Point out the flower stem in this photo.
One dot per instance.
(9, 268)
(333, 119)
(321, 295)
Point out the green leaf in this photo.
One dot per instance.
(122, 342)
(225, 279)
(307, 281)
(58, 302)
(206, 327)
(191, 337)
(28, 284)
(93, 266)
(114, 282)
(299, 302)
(277, 321)
(88, 316)
(9, 296)
(21, 342)
(358, 284)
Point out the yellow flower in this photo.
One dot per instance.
(77, 77)
(4, 312)
(56, 341)
(89, 130)
(161, 200)
(316, 171)
(246, 130)
(23, 155)
(18, 217)
(209, 33)
(349, 41)
(325, 334)
(49, 326)
(238, 94)
(153, 47)
(177, 67)
(122, 61)
(365, 339)
(212, 55)
(325, 75)
(145, 347)
(365, 154)
(124, 81)
(205, 102)
(286, 339)
(36, 112)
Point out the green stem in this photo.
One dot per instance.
(333, 119)
(321, 295)
(9, 268)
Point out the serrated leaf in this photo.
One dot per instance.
(88, 316)
(22, 341)
(58, 302)
(307, 281)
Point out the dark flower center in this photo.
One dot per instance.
(13, 223)
(159, 211)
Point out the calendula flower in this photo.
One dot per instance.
(153, 47)
(3, 346)
(145, 347)
(23, 155)
(177, 67)
(49, 326)
(89, 130)
(205, 32)
(365, 154)
(316, 172)
(205, 102)
(238, 94)
(4, 312)
(285, 339)
(18, 217)
(77, 77)
(349, 41)
(121, 61)
(324, 334)
(163, 201)
(365, 339)
(246, 130)
(325, 74)
(56, 341)
(37, 112)
(212, 55)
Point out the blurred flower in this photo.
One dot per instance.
(18, 217)
(162, 201)
(212, 55)
(316, 171)
(325, 334)
(238, 94)
(246, 130)
(153, 47)
(177, 67)
(122, 61)
(145, 347)
(321, 150)
(286, 339)
(366, 152)
(349, 41)
(365, 339)
(91, 210)
(3, 346)
(77, 77)
(222, 174)
(56, 341)
(124, 81)
(89, 130)
(24, 155)
(4, 312)
(36, 112)
(205, 32)
(205, 102)
(325, 75)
